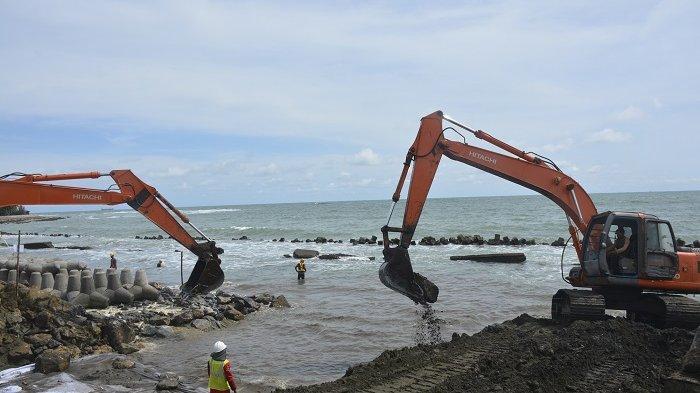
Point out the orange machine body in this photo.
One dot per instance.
(529, 170)
(32, 189)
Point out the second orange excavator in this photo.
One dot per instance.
(642, 272)
(32, 189)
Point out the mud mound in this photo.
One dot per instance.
(527, 355)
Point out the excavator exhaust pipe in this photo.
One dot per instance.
(397, 274)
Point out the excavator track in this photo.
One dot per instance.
(666, 311)
(607, 376)
(569, 305)
(427, 378)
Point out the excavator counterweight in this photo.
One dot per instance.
(33, 189)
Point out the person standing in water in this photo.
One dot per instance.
(221, 378)
(301, 269)
(112, 261)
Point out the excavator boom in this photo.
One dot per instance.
(527, 169)
(33, 190)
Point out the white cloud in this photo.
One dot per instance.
(366, 157)
(657, 103)
(594, 169)
(609, 135)
(568, 165)
(555, 147)
(630, 113)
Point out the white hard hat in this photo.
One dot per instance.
(218, 347)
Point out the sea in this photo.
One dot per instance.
(341, 314)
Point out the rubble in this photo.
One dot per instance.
(34, 321)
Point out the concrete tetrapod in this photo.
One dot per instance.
(121, 294)
(126, 277)
(148, 292)
(60, 285)
(35, 280)
(12, 276)
(76, 266)
(112, 282)
(47, 282)
(23, 277)
(100, 279)
(98, 300)
(73, 285)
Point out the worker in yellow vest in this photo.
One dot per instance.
(221, 378)
(301, 269)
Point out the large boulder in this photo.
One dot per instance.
(168, 381)
(201, 324)
(230, 312)
(280, 302)
(264, 298)
(304, 253)
(561, 242)
(183, 318)
(19, 353)
(53, 360)
(117, 333)
(123, 363)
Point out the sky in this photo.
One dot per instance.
(218, 102)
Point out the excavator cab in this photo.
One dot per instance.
(621, 245)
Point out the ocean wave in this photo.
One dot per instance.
(241, 228)
(209, 211)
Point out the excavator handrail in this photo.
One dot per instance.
(32, 189)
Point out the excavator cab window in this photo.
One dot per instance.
(593, 243)
(661, 257)
(622, 246)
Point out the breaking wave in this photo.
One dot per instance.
(210, 211)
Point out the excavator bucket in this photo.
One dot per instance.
(205, 277)
(397, 274)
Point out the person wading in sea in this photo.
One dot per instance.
(112, 261)
(301, 269)
(221, 378)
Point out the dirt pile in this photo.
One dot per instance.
(528, 355)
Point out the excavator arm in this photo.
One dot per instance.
(527, 169)
(33, 190)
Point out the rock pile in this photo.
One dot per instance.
(79, 285)
(35, 321)
(497, 240)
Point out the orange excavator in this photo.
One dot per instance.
(32, 189)
(642, 272)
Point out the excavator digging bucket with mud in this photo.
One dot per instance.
(207, 274)
(397, 273)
